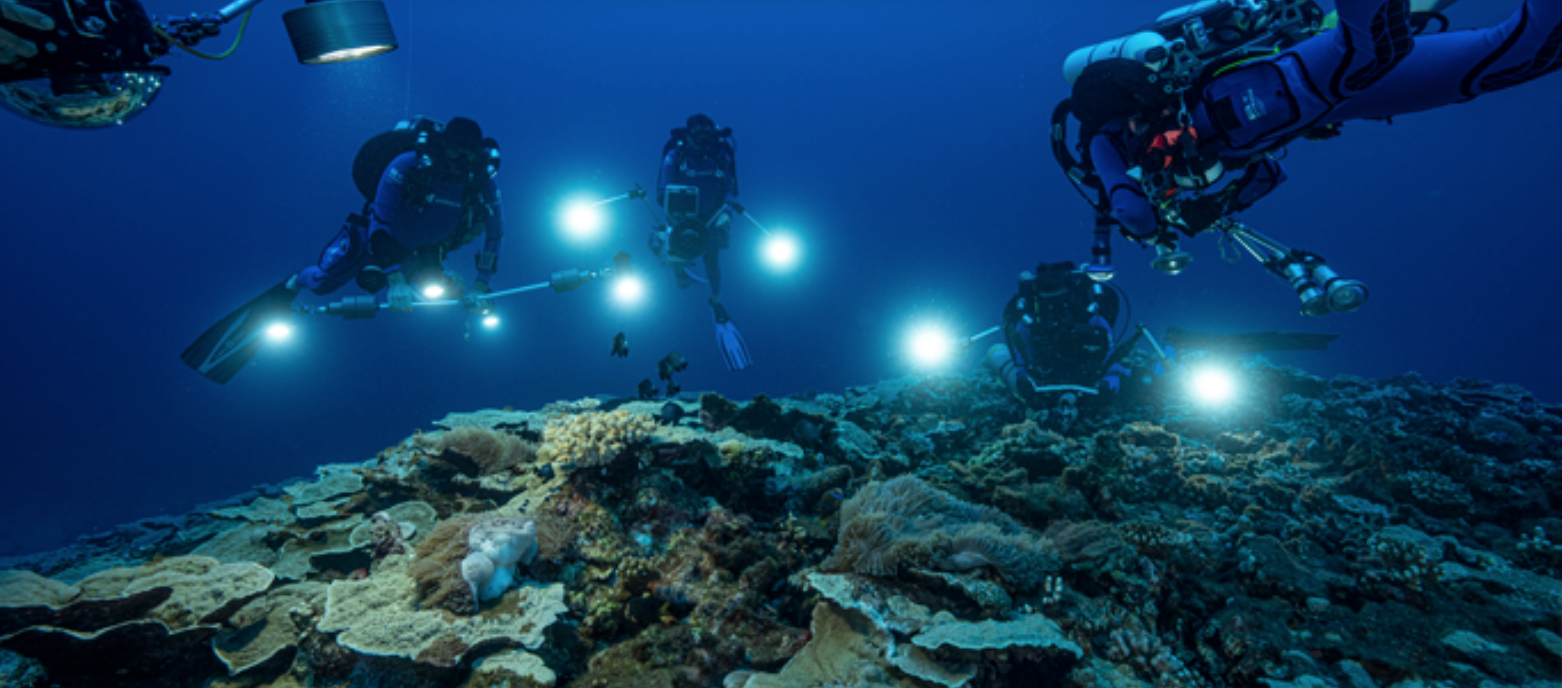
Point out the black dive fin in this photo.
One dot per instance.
(224, 349)
(1249, 342)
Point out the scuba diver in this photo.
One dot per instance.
(430, 190)
(695, 185)
(1216, 91)
(434, 196)
(1060, 340)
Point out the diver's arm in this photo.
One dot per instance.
(665, 175)
(1256, 182)
(729, 164)
(1129, 206)
(388, 196)
(493, 236)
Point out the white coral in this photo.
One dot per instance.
(497, 547)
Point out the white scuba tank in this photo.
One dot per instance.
(1148, 47)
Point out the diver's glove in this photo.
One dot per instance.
(474, 300)
(400, 295)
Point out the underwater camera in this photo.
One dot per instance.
(95, 68)
(681, 202)
(681, 242)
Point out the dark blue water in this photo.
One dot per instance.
(905, 142)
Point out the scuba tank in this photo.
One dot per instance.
(417, 135)
(1001, 364)
(1184, 43)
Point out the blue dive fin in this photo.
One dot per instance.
(223, 350)
(733, 349)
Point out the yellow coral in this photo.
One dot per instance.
(594, 438)
(730, 450)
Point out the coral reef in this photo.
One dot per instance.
(488, 451)
(918, 532)
(593, 438)
(903, 523)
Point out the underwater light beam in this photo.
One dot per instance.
(782, 252)
(279, 332)
(583, 220)
(628, 290)
(1212, 386)
(930, 345)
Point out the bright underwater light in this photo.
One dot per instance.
(329, 31)
(582, 220)
(433, 291)
(782, 252)
(1212, 386)
(628, 290)
(930, 345)
(491, 321)
(279, 332)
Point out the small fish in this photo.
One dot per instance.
(671, 413)
(647, 389)
(671, 363)
(672, 389)
(620, 346)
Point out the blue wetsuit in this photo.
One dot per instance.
(1370, 66)
(451, 214)
(714, 173)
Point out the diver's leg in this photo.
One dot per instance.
(713, 273)
(1372, 38)
(339, 261)
(1457, 66)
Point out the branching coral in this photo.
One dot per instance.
(595, 438)
(489, 450)
(903, 523)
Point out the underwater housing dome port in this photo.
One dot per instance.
(84, 100)
(327, 31)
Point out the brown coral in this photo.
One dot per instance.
(489, 451)
(903, 523)
(437, 569)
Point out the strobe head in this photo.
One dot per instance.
(1344, 295)
(1315, 301)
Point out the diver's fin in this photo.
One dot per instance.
(733, 349)
(1249, 342)
(224, 349)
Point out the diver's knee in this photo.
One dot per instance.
(1140, 222)
(317, 280)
